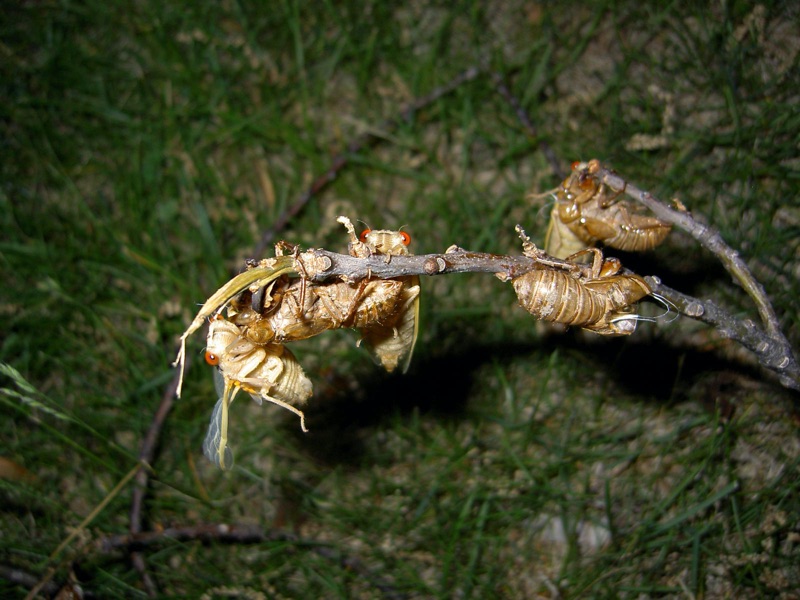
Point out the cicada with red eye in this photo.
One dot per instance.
(265, 371)
(391, 341)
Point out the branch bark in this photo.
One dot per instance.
(322, 265)
(770, 345)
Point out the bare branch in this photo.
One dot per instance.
(710, 239)
(769, 352)
(773, 349)
(243, 534)
(322, 265)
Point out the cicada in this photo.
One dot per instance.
(297, 309)
(588, 211)
(260, 275)
(265, 371)
(390, 339)
(601, 301)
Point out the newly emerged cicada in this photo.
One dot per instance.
(265, 371)
(258, 276)
(601, 301)
(587, 211)
(390, 339)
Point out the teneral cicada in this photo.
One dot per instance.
(390, 339)
(266, 371)
(260, 275)
(602, 301)
(588, 211)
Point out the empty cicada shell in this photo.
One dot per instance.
(265, 371)
(307, 309)
(390, 339)
(588, 211)
(602, 302)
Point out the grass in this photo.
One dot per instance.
(148, 146)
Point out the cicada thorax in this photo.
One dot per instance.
(265, 371)
(594, 213)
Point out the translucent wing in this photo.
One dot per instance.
(220, 456)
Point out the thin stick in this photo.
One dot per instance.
(340, 160)
(146, 456)
(242, 534)
(322, 265)
(527, 123)
(79, 529)
(775, 354)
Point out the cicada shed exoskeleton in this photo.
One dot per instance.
(588, 211)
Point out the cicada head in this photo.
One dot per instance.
(385, 241)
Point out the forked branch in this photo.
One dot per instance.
(770, 345)
(773, 353)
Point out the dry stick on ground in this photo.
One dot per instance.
(321, 265)
(147, 451)
(221, 533)
(770, 346)
(340, 160)
(525, 119)
(146, 456)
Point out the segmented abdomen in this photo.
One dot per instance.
(554, 296)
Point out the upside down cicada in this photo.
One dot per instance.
(588, 211)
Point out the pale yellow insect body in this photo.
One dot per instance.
(391, 340)
(267, 372)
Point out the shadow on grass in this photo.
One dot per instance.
(441, 386)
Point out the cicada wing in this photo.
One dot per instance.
(413, 314)
(219, 383)
(222, 457)
(392, 344)
(215, 446)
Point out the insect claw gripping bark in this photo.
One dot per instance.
(587, 211)
(599, 299)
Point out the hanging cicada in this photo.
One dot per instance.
(265, 371)
(599, 298)
(391, 337)
(587, 211)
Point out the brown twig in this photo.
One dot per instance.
(321, 265)
(340, 160)
(772, 348)
(17, 576)
(146, 456)
(240, 534)
(527, 123)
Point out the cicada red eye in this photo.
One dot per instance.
(576, 164)
(364, 234)
(212, 358)
(405, 237)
